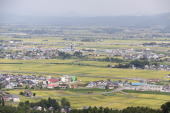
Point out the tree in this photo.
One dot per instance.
(53, 103)
(64, 55)
(25, 106)
(2, 101)
(21, 93)
(34, 94)
(78, 54)
(139, 63)
(65, 103)
(26, 87)
(109, 65)
(0, 86)
(166, 107)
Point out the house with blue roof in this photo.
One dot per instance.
(137, 84)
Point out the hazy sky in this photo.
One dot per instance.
(84, 7)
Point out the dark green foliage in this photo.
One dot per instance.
(166, 107)
(136, 63)
(2, 102)
(122, 65)
(65, 103)
(34, 94)
(139, 63)
(47, 104)
(21, 93)
(27, 107)
(8, 109)
(64, 55)
(146, 92)
(78, 54)
(108, 110)
(140, 110)
(108, 59)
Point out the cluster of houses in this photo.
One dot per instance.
(147, 54)
(9, 97)
(62, 110)
(62, 82)
(102, 84)
(17, 49)
(10, 44)
(139, 86)
(155, 44)
(21, 51)
(11, 81)
(132, 54)
(30, 53)
(157, 67)
(52, 53)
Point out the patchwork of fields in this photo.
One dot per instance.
(92, 72)
(80, 98)
(88, 71)
(91, 69)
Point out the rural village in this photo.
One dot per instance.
(108, 66)
(84, 56)
(26, 82)
(17, 49)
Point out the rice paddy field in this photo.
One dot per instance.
(80, 98)
(90, 69)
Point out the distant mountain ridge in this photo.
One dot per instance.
(161, 19)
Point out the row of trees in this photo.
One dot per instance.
(108, 59)
(43, 106)
(50, 105)
(108, 110)
(165, 108)
(136, 63)
(65, 55)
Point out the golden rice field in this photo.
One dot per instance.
(115, 100)
(95, 69)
